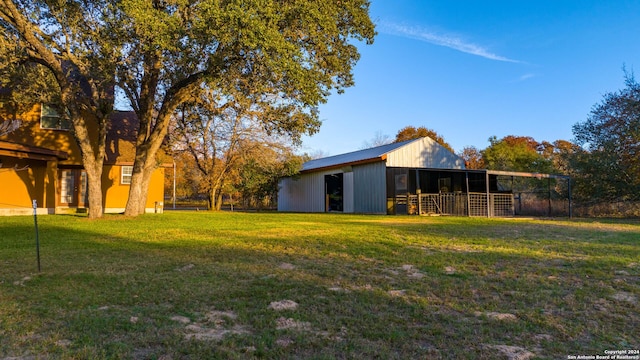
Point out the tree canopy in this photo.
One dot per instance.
(516, 153)
(285, 56)
(64, 52)
(288, 56)
(472, 158)
(411, 132)
(608, 166)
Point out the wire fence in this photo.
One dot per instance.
(461, 204)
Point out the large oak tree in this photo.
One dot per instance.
(161, 52)
(70, 44)
(294, 52)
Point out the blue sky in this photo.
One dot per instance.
(474, 69)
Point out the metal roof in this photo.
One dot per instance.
(356, 157)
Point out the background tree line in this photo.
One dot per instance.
(603, 159)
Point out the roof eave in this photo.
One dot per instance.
(31, 152)
(382, 157)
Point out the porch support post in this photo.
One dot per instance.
(570, 204)
(549, 189)
(466, 178)
(488, 197)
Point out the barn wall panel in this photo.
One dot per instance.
(305, 193)
(369, 188)
(424, 154)
(348, 192)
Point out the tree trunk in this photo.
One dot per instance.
(214, 196)
(211, 200)
(219, 200)
(92, 161)
(146, 180)
(94, 187)
(143, 168)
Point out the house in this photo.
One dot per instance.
(412, 177)
(41, 161)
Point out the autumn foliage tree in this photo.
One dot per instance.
(472, 158)
(607, 166)
(262, 165)
(411, 132)
(217, 129)
(516, 153)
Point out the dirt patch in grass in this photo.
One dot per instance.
(185, 268)
(338, 289)
(397, 293)
(214, 326)
(181, 319)
(412, 271)
(198, 332)
(291, 324)
(512, 352)
(284, 342)
(497, 316)
(22, 281)
(220, 317)
(287, 266)
(283, 305)
(625, 296)
(543, 337)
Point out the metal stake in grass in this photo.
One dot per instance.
(35, 222)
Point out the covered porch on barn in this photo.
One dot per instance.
(482, 193)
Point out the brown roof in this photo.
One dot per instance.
(121, 139)
(11, 149)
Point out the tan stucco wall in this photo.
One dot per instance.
(30, 133)
(117, 193)
(22, 181)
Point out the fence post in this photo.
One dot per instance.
(549, 189)
(488, 196)
(570, 204)
(466, 176)
(35, 222)
(419, 193)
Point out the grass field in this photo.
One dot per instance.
(194, 285)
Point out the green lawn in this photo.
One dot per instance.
(193, 285)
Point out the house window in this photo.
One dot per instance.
(67, 186)
(125, 174)
(51, 118)
(73, 187)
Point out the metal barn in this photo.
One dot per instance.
(356, 182)
(413, 177)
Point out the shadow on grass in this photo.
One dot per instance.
(380, 286)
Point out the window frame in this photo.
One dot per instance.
(54, 119)
(125, 175)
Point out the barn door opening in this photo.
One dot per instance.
(334, 192)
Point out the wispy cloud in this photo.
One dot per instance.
(440, 39)
(526, 77)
